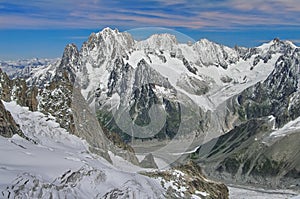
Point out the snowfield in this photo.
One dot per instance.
(60, 165)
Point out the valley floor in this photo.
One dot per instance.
(237, 192)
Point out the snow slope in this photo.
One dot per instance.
(60, 165)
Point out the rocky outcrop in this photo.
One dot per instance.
(8, 126)
(56, 98)
(192, 178)
(69, 65)
(148, 162)
(248, 154)
(18, 91)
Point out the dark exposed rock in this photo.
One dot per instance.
(8, 126)
(56, 99)
(188, 66)
(272, 97)
(148, 162)
(244, 155)
(162, 58)
(189, 175)
(226, 79)
(18, 91)
(69, 64)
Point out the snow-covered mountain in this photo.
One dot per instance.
(116, 72)
(263, 148)
(162, 97)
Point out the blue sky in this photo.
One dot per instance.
(41, 28)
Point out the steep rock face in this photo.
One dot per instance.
(61, 97)
(138, 92)
(18, 91)
(133, 84)
(274, 96)
(98, 55)
(69, 64)
(8, 126)
(148, 162)
(251, 154)
(56, 98)
(5, 86)
(48, 89)
(119, 79)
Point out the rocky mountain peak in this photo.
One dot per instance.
(105, 45)
(163, 41)
(122, 38)
(206, 42)
(277, 46)
(70, 55)
(266, 51)
(69, 64)
(211, 53)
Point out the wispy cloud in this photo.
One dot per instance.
(268, 6)
(193, 14)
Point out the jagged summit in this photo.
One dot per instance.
(277, 46)
(108, 29)
(113, 37)
(70, 51)
(211, 53)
